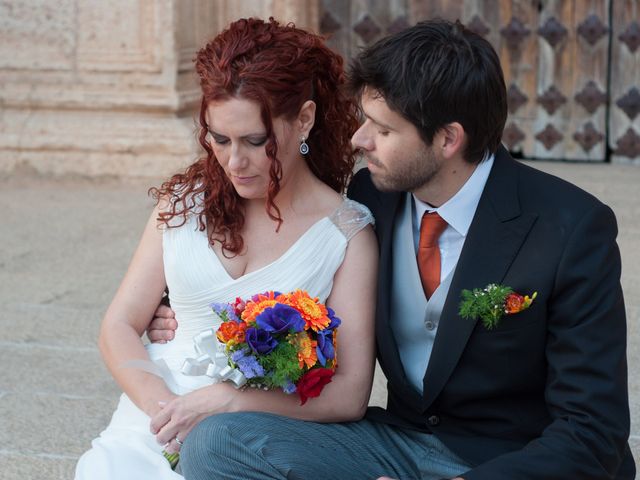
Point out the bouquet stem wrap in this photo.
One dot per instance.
(212, 360)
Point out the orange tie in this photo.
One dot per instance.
(431, 228)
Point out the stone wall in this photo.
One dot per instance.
(107, 88)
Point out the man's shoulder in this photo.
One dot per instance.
(541, 190)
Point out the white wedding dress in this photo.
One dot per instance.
(196, 278)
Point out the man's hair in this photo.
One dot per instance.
(435, 73)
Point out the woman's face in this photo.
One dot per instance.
(238, 138)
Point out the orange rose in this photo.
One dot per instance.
(514, 303)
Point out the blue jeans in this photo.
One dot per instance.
(265, 446)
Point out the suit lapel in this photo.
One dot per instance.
(494, 238)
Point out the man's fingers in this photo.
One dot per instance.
(165, 312)
(160, 336)
(163, 323)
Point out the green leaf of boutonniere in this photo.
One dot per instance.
(491, 303)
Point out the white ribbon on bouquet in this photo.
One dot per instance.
(212, 360)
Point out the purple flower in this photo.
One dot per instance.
(247, 364)
(289, 388)
(324, 349)
(238, 354)
(225, 311)
(250, 367)
(260, 341)
(335, 321)
(280, 319)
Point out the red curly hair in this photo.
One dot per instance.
(279, 67)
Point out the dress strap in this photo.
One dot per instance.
(351, 217)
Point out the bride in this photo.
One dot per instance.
(261, 210)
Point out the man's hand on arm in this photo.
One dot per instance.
(163, 326)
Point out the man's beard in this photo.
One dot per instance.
(408, 176)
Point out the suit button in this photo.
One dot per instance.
(433, 420)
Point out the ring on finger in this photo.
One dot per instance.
(178, 441)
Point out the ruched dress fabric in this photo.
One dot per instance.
(196, 278)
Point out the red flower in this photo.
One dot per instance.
(312, 383)
(514, 303)
(238, 306)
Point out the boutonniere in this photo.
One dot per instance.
(492, 302)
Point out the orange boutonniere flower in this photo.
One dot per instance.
(515, 303)
(492, 302)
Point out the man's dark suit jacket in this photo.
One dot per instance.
(544, 394)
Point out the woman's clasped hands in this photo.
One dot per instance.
(177, 417)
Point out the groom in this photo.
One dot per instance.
(542, 394)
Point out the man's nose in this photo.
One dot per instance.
(361, 139)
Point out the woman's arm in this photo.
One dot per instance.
(127, 318)
(344, 399)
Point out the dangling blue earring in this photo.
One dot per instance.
(304, 147)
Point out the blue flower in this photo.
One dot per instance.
(260, 341)
(238, 354)
(289, 388)
(225, 311)
(324, 349)
(250, 367)
(280, 319)
(335, 321)
(247, 364)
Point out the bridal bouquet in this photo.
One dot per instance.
(281, 341)
(273, 340)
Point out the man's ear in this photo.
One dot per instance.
(306, 117)
(452, 139)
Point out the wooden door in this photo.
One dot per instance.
(572, 67)
(624, 109)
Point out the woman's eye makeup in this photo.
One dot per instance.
(219, 139)
(255, 141)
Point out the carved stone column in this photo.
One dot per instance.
(305, 14)
(107, 88)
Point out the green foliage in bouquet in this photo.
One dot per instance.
(283, 364)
